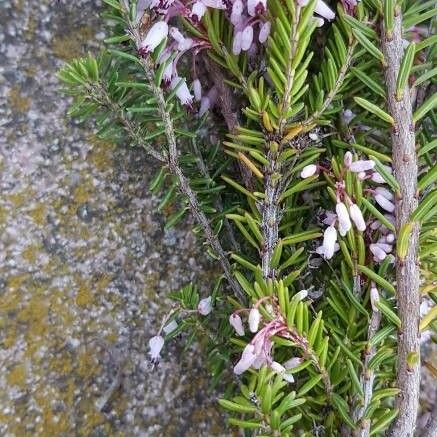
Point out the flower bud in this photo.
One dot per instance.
(182, 93)
(256, 7)
(376, 177)
(197, 90)
(264, 32)
(183, 43)
(237, 12)
(156, 344)
(344, 222)
(376, 224)
(254, 319)
(205, 306)
(280, 369)
(387, 248)
(167, 75)
(208, 101)
(362, 165)
(287, 377)
(301, 295)
(384, 192)
(293, 362)
(236, 43)
(308, 171)
(323, 10)
(329, 240)
(247, 359)
(348, 116)
(384, 203)
(374, 297)
(390, 238)
(246, 38)
(237, 324)
(153, 38)
(276, 367)
(357, 217)
(378, 253)
(319, 21)
(197, 11)
(348, 158)
(170, 327)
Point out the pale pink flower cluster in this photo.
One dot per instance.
(156, 343)
(258, 352)
(254, 320)
(347, 213)
(250, 28)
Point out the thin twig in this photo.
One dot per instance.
(271, 210)
(175, 169)
(308, 353)
(100, 93)
(289, 72)
(367, 378)
(338, 84)
(407, 271)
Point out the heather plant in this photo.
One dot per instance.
(299, 135)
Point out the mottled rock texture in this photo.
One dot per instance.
(85, 265)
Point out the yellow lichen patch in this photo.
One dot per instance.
(91, 419)
(84, 295)
(52, 424)
(35, 314)
(111, 338)
(19, 199)
(39, 214)
(102, 283)
(61, 364)
(3, 215)
(31, 27)
(16, 101)
(83, 192)
(60, 314)
(17, 376)
(10, 337)
(87, 365)
(101, 154)
(15, 282)
(30, 253)
(70, 45)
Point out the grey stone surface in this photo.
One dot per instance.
(85, 265)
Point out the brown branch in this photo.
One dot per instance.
(407, 271)
(229, 112)
(367, 377)
(271, 212)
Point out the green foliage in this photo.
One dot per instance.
(270, 222)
